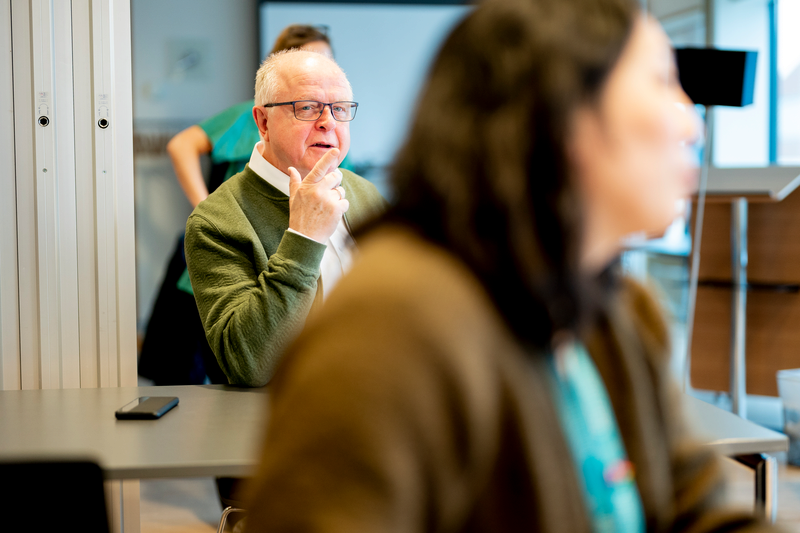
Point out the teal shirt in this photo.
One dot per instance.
(232, 134)
(590, 426)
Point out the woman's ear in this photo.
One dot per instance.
(585, 139)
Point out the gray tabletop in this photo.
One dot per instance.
(214, 431)
(729, 434)
(764, 183)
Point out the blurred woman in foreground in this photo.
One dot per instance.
(481, 368)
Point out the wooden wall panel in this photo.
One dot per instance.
(773, 317)
(772, 342)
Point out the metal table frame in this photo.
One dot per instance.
(744, 441)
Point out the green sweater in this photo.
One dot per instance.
(254, 282)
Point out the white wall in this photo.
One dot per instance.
(741, 135)
(789, 73)
(191, 59)
(686, 28)
(666, 8)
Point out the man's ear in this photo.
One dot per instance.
(260, 116)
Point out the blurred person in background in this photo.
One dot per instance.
(484, 367)
(175, 350)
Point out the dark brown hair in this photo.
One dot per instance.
(484, 171)
(296, 35)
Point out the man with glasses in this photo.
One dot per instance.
(174, 349)
(267, 247)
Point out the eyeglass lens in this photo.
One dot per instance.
(311, 110)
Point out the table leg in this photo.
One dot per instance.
(765, 468)
(123, 499)
(738, 388)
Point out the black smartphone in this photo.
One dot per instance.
(146, 407)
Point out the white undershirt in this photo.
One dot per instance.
(338, 256)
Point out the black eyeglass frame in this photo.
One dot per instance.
(294, 109)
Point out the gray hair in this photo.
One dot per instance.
(267, 76)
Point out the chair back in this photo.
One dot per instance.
(52, 496)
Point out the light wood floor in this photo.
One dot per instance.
(191, 505)
(179, 506)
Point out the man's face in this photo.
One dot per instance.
(289, 142)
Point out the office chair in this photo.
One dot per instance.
(224, 518)
(52, 496)
(227, 488)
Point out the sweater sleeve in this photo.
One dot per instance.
(250, 316)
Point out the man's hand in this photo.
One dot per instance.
(316, 202)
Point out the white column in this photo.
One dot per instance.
(9, 282)
(84, 192)
(122, 78)
(67, 255)
(24, 175)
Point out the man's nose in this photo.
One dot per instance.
(326, 121)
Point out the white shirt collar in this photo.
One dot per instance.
(270, 173)
(338, 255)
(267, 171)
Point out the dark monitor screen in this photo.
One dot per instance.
(717, 77)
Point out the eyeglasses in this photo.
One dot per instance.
(312, 110)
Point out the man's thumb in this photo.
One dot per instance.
(294, 178)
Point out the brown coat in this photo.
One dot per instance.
(407, 406)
